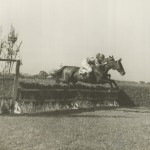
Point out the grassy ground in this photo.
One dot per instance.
(106, 128)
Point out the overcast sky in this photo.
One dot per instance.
(64, 32)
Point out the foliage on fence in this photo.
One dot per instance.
(50, 84)
(6, 86)
(46, 90)
(42, 95)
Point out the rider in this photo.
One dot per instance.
(86, 63)
(100, 59)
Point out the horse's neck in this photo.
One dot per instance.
(103, 69)
(107, 68)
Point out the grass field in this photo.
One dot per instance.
(102, 128)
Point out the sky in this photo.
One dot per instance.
(64, 32)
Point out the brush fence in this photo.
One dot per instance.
(43, 99)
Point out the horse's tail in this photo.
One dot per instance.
(57, 73)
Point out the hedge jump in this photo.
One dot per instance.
(47, 95)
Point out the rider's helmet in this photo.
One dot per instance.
(102, 56)
(98, 55)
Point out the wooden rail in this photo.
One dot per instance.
(12, 60)
(69, 90)
(69, 99)
(5, 98)
(6, 78)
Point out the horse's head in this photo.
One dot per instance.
(116, 65)
(111, 58)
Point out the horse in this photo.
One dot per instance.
(99, 75)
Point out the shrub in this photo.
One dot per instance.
(137, 95)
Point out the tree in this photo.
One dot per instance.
(141, 82)
(43, 75)
(9, 48)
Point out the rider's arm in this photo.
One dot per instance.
(104, 61)
(91, 60)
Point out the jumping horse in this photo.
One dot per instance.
(99, 75)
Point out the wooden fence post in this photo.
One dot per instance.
(16, 84)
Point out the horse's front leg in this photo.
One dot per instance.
(114, 83)
(104, 81)
(57, 81)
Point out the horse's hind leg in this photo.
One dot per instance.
(67, 78)
(57, 81)
(63, 80)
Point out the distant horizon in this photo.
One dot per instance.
(111, 78)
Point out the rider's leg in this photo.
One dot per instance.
(85, 69)
(88, 70)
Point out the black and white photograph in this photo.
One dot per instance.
(74, 74)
